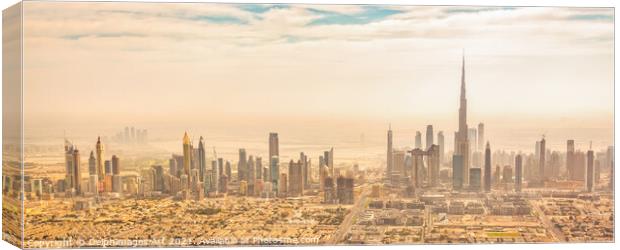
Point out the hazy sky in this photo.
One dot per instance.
(123, 62)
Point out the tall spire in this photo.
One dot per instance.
(185, 138)
(463, 76)
(463, 103)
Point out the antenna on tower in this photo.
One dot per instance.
(214, 154)
(590, 145)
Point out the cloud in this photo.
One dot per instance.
(368, 15)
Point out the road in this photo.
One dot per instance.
(557, 234)
(348, 221)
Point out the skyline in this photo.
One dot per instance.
(206, 124)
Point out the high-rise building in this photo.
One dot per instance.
(487, 168)
(344, 191)
(433, 165)
(92, 164)
(93, 183)
(518, 173)
(590, 171)
(329, 194)
(461, 142)
(552, 170)
(258, 167)
(579, 166)
(497, 175)
(328, 157)
(305, 171)
(480, 136)
(570, 159)
(441, 144)
(117, 185)
(215, 176)
(296, 185)
(202, 159)
(108, 167)
(390, 162)
(274, 172)
(283, 185)
(457, 172)
(322, 175)
(116, 165)
(472, 137)
(507, 174)
(274, 145)
(242, 165)
(609, 156)
(228, 170)
(474, 181)
(186, 157)
(100, 160)
(251, 174)
(399, 162)
(72, 165)
(541, 160)
(418, 140)
(429, 136)
(158, 180)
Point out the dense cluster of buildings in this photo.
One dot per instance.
(475, 167)
(132, 135)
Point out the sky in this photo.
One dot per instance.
(166, 63)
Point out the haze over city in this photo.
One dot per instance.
(333, 70)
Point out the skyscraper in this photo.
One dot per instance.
(328, 157)
(433, 165)
(429, 136)
(331, 161)
(389, 153)
(274, 145)
(304, 167)
(116, 165)
(228, 169)
(461, 143)
(590, 171)
(480, 136)
(274, 172)
(186, 156)
(570, 159)
(474, 182)
(202, 159)
(100, 160)
(92, 164)
(487, 168)
(295, 186)
(93, 183)
(441, 143)
(418, 140)
(457, 172)
(541, 160)
(117, 184)
(472, 137)
(72, 165)
(251, 174)
(242, 166)
(518, 173)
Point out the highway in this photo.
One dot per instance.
(348, 221)
(557, 234)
